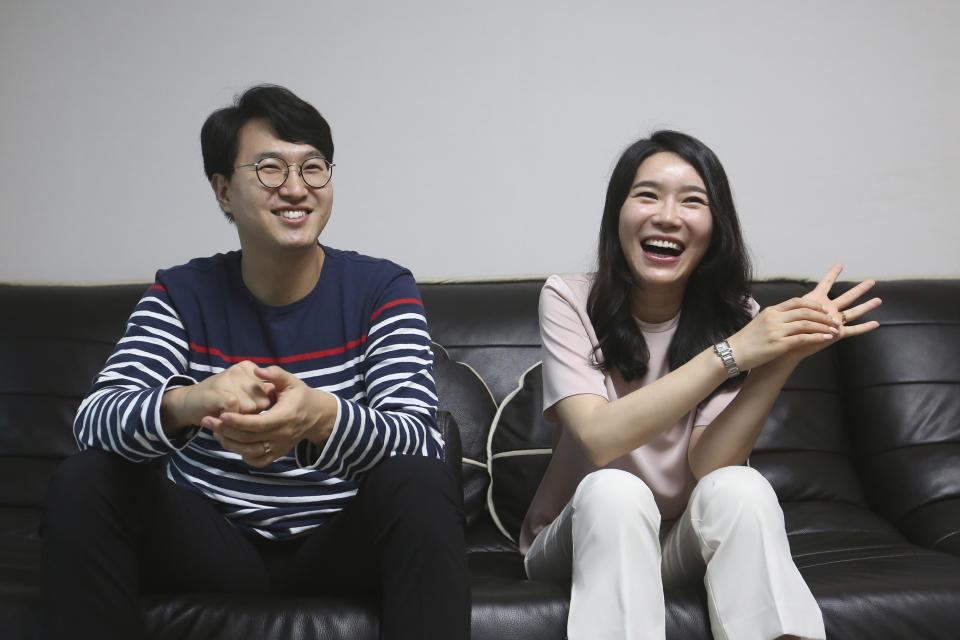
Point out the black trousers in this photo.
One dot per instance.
(114, 529)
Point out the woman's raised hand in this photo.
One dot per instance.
(839, 308)
(792, 324)
(800, 327)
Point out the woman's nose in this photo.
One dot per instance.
(667, 214)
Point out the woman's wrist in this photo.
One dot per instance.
(725, 353)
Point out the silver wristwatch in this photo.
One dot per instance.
(725, 353)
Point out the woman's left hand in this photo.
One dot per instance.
(840, 309)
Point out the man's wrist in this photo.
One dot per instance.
(171, 410)
(325, 408)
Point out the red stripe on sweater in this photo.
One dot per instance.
(393, 304)
(282, 360)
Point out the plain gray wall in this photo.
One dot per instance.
(476, 139)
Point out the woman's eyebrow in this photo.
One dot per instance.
(657, 185)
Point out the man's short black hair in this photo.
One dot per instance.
(293, 120)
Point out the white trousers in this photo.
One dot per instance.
(607, 543)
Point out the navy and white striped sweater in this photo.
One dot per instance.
(361, 335)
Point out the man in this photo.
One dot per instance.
(288, 389)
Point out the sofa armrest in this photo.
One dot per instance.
(452, 451)
(935, 525)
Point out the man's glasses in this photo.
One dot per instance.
(273, 172)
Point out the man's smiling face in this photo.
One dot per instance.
(290, 216)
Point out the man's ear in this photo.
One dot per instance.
(220, 185)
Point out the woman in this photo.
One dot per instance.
(643, 370)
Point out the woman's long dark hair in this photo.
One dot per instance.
(713, 306)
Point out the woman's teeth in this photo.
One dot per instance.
(293, 215)
(656, 245)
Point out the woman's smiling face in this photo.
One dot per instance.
(665, 223)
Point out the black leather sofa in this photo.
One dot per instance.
(863, 449)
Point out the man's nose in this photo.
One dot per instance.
(294, 186)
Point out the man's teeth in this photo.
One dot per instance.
(663, 244)
(293, 215)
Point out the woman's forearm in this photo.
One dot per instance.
(608, 430)
(729, 439)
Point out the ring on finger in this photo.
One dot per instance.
(843, 318)
(266, 448)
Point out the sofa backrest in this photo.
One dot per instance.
(53, 341)
(903, 392)
(490, 335)
(805, 449)
(867, 408)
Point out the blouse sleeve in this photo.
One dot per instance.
(569, 351)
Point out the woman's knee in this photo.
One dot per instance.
(738, 487)
(612, 495)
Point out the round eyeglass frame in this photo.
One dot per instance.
(286, 172)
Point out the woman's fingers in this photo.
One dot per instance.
(794, 304)
(810, 326)
(853, 313)
(808, 314)
(826, 282)
(850, 331)
(803, 339)
(847, 298)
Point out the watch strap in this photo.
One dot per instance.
(725, 353)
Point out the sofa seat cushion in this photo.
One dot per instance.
(898, 591)
(19, 549)
(866, 575)
(483, 535)
(20, 611)
(502, 608)
(216, 616)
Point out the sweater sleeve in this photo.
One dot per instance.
(121, 412)
(397, 416)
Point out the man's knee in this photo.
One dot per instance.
(414, 485)
(612, 496)
(89, 480)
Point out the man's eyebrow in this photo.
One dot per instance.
(275, 154)
(266, 154)
(657, 185)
